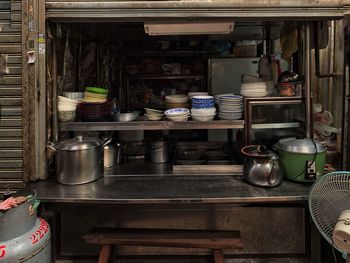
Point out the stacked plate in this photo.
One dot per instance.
(177, 114)
(94, 111)
(230, 107)
(95, 94)
(176, 101)
(257, 89)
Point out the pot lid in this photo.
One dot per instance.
(294, 145)
(79, 143)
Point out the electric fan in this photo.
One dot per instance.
(329, 204)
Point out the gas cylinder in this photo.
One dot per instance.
(23, 236)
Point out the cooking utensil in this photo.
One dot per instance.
(261, 167)
(112, 154)
(79, 160)
(302, 159)
(159, 152)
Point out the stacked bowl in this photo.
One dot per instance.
(95, 94)
(203, 108)
(153, 115)
(257, 89)
(177, 114)
(176, 101)
(230, 107)
(66, 108)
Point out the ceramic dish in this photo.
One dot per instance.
(154, 117)
(176, 98)
(177, 112)
(153, 111)
(202, 117)
(96, 90)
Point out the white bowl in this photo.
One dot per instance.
(177, 112)
(197, 93)
(176, 98)
(67, 100)
(66, 107)
(203, 112)
(66, 115)
(153, 111)
(178, 118)
(73, 95)
(203, 118)
(154, 117)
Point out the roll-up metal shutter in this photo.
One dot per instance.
(103, 9)
(11, 94)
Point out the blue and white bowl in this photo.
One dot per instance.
(177, 112)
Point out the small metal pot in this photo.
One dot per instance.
(79, 160)
(112, 154)
(159, 152)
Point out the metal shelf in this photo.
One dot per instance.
(151, 125)
(283, 125)
(162, 77)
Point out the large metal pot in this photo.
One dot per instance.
(261, 167)
(79, 160)
(302, 159)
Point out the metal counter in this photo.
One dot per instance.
(170, 189)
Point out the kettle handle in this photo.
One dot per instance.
(271, 178)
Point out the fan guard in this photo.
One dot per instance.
(329, 197)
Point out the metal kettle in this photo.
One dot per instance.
(262, 167)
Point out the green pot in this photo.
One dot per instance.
(295, 164)
(297, 154)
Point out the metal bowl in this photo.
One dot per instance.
(125, 117)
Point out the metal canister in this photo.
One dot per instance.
(112, 154)
(159, 152)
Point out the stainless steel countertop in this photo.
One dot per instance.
(170, 189)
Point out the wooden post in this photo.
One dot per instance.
(34, 90)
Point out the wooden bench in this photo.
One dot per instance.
(216, 240)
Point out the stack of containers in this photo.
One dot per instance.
(95, 94)
(95, 106)
(177, 114)
(203, 108)
(176, 101)
(66, 108)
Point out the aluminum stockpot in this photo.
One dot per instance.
(79, 160)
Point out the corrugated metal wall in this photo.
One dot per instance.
(11, 95)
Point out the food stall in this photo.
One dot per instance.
(142, 148)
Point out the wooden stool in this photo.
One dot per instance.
(216, 240)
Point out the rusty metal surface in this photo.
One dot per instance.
(80, 9)
(196, 3)
(170, 189)
(11, 95)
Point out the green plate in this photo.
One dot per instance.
(96, 90)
